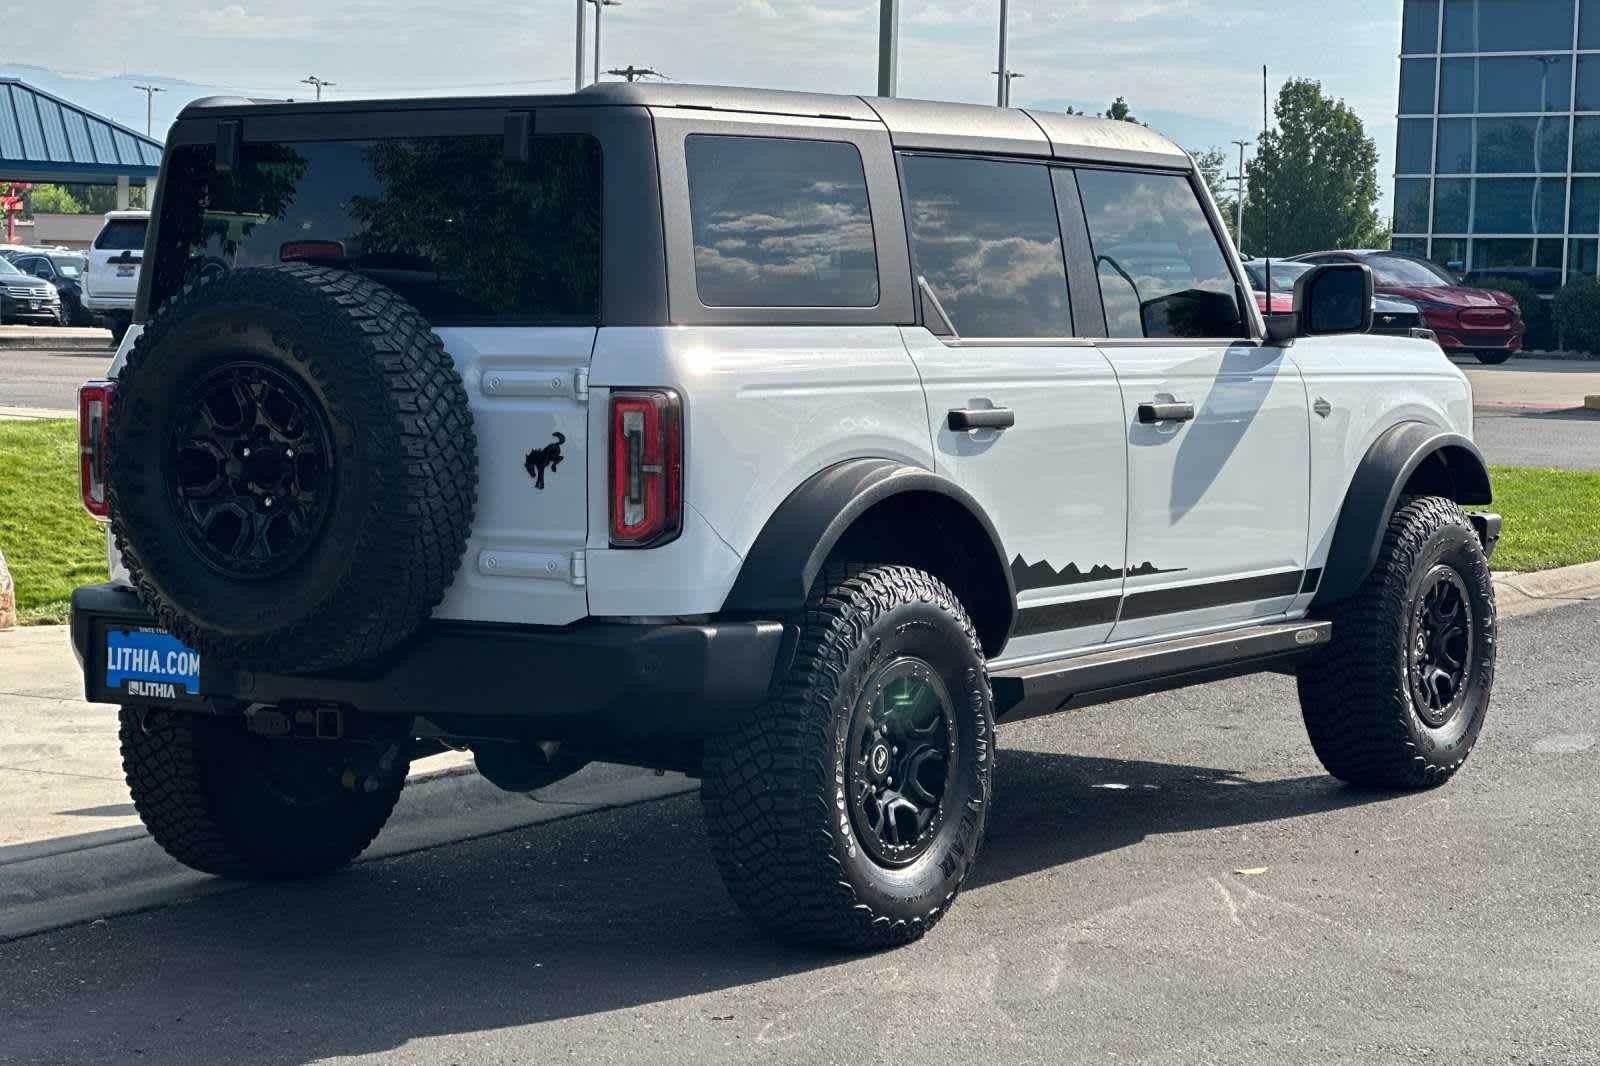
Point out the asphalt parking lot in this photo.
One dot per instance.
(1171, 879)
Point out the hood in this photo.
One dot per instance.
(1450, 295)
(26, 281)
(1393, 305)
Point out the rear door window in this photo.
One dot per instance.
(1161, 270)
(466, 236)
(122, 235)
(780, 222)
(985, 236)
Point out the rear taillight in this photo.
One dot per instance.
(646, 467)
(94, 408)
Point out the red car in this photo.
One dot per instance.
(1484, 322)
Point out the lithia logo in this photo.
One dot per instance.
(132, 660)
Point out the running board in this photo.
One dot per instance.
(1044, 688)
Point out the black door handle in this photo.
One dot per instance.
(1151, 413)
(982, 418)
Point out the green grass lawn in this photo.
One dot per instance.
(1552, 518)
(51, 545)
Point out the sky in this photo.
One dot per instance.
(1190, 68)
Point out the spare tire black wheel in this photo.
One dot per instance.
(293, 469)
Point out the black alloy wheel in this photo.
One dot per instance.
(901, 761)
(1441, 646)
(250, 473)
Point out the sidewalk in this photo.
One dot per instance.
(54, 338)
(1550, 384)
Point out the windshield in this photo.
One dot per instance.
(1408, 273)
(7, 266)
(69, 266)
(1283, 274)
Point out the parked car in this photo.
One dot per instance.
(747, 444)
(1390, 314)
(1484, 322)
(64, 270)
(25, 298)
(111, 278)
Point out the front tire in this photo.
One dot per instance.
(224, 801)
(1493, 356)
(1399, 697)
(849, 810)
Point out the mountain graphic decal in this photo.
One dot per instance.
(1042, 575)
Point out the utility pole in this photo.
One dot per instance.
(600, 6)
(1238, 207)
(577, 77)
(1011, 75)
(1000, 91)
(888, 45)
(317, 83)
(149, 107)
(632, 73)
(1263, 99)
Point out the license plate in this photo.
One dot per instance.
(38, 304)
(126, 270)
(150, 664)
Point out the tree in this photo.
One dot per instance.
(1213, 166)
(1313, 184)
(79, 199)
(1120, 112)
(53, 200)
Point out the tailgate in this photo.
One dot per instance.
(528, 388)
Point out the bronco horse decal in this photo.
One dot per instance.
(540, 459)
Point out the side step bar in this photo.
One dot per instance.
(1098, 677)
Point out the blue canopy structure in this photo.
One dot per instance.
(45, 138)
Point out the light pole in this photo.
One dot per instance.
(577, 76)
(888, 45)
(149, 106)
(1011, 75)
(1238, 207)
(317, 83)
(599, 6)
(1004, 84)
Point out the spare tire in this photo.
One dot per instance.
(293, 469)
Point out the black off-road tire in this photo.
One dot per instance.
(223, 801)
(401, 476)
(1366, 719)
(775, 791)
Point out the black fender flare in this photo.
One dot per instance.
(1374, 494)
(791, 549)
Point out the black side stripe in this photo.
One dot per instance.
(1149, 604)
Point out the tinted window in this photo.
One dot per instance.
(1502, 252)
(1414, 146)
(1586, 143)
(1505, 83)
(1419, 26)
(1404, 272)
(1416, 86)
(780, 223)
(1450, 253)
(1507, 25)
(985, 235)
(1583, 258)
(1455, 146)
(1521, 145)
(1411, 205)
(1518, 205)
(1589, 29)
(121, 235)
(446, 221)
(1410, 245)
(1161, 271)
(1452, 205)
(1585, 215)
(69, 266)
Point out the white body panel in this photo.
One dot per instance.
(112, 286)
(1054, 485)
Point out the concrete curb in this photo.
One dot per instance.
(54, 883)
(1539, 590)
(72, 342)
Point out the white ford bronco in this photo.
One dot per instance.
(789, 441)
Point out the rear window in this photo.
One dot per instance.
(468, 237)
(780, 223)
(122, 235)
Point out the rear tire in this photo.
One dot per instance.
(849, 810)
(1400, 695)
(224, 801)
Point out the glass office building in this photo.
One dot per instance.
(1497, 160)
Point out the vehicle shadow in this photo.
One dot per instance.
(565, 921)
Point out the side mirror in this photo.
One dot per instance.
(1329, 298)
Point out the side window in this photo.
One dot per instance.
(985, 235)
(780, 222)
(1161, 271)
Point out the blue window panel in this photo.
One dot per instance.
(1586, 144)
(127, 148)
(28, 120)
(1419, 26)
(55, 135)
(1518, 205)
(1450, 253)
(1452, 201)
(1411, 205)
(1589, 79)
(1507, 25)
(1414, 146)
(1416, 86)
(1589, 25)
(100, 134)
(1505, 83)
(1455, 146)
(151, 153)
(1521, 145)
(78, 137)
(10, 140)
(1410, 245)
(1583, 256)
(1585, 215)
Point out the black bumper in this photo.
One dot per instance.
(587, 679)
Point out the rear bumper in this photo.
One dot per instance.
(591, 679)
(106, 304)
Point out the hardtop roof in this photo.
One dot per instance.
(911, 124)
